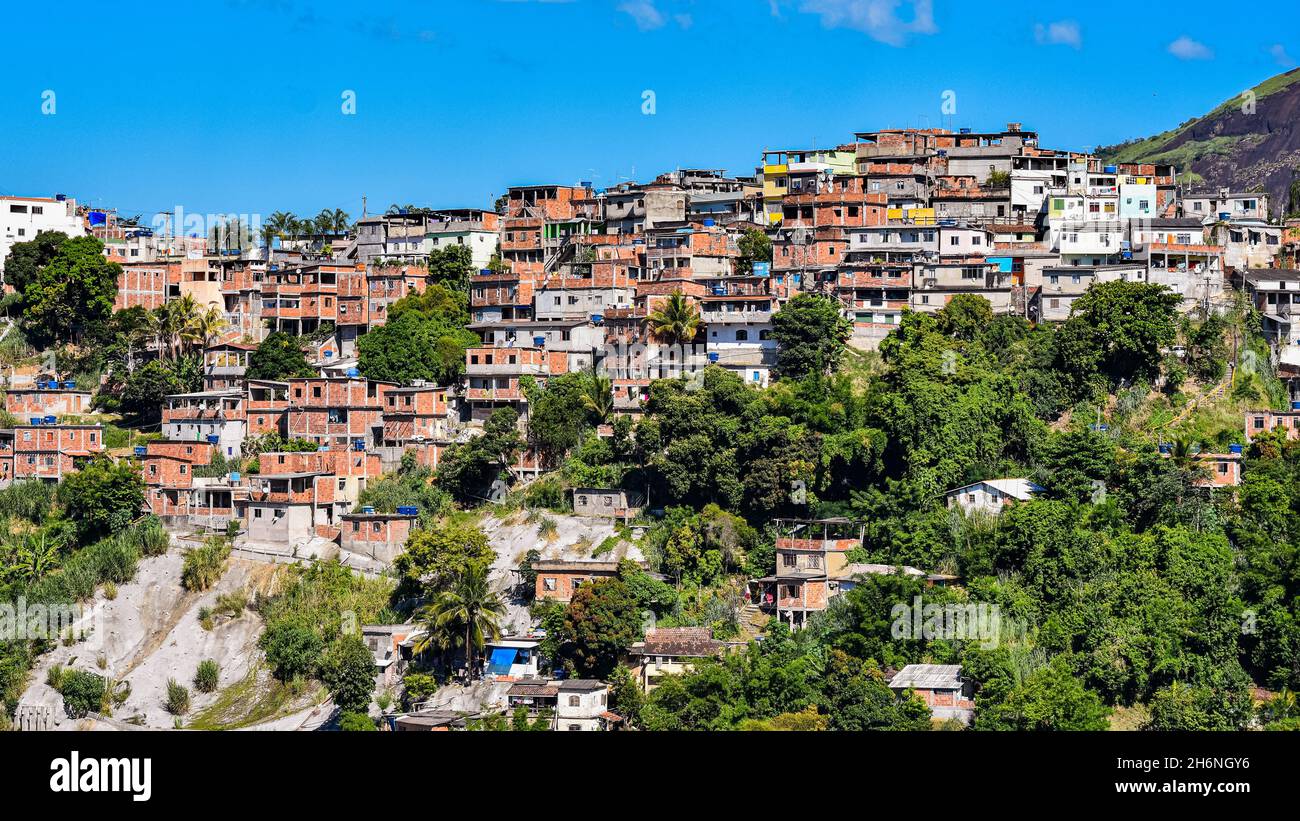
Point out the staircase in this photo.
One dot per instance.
(753, 622)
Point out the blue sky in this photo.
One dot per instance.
(235, 105)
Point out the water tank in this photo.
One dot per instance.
(51, 420)
(597, 318)
(70, 385)
(234, 476)
(214, 438)
(1234, 448)
(367, 509)
(40, 386)
(1110, 169)
(353, 373)
(713, 356)
(709, 222)
(1295, 406)
(35, 420)
(539, 341)
(408, 510)
(1224, 215)
(329, 354)
(141, 450)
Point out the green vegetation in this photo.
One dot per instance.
(424, 338)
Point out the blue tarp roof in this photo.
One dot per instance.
(501, 659)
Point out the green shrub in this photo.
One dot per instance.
(207, 677)
(356, 722)
(82, 692)
(178, 697)
(204, 565)
(152, 536)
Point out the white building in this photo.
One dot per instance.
(582, 706)
(991, 495)
(22, 218)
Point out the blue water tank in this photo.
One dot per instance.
(70, 385)
(51, 420)
(367, 509)
(1110, 169)
(329, 354)
(40, 386)
(1295, 406)
(965, 130)
(713, 356)
(353, 373)
(709, 222)
(597, 318)
(539, 341)
(1234, 448)
(141, 450)
(408, 510)
(1225, 215)
(214, 438)
(234, 476)
(35, 420)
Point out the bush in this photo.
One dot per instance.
(291, 650)
(356, 722)
(348, 669)
(152, 537)
(207, 677)
(82, 692)
(178, 697)
(204, 565)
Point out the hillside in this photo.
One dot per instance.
(1230, 147)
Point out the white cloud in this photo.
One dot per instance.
(1060, 33)
(1185, 48)
(878, 19)
(643, 13)
(1279, 54)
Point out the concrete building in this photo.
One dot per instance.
(941, 687)
(22, 218)
(991, 495)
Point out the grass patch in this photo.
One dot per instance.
(256, 698)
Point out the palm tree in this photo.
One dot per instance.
(204, 326)
(340, 222)
(172, 321)
(469, 605)
(279, 223)
(676, 321)
(598, 396)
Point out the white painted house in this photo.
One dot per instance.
(22, 218)
(991, 495)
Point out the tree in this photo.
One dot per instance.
(598, 396)
(1181, 707)
(103, 497)
(451, 267)
(424, 338)
(348, 670)
(810, 332)
(73, 291)
(601, 622)
(468, 468)
(1123, 326)
(1052, 698)
(676, 321)
(356, 723)
(435, 557)
(278, 357)
(468, 607)
(143, 394)
(965, 316)
(754, 246)
(26, 259)
(292, 650)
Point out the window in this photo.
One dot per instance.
(548, 584)
(574, 701)
(789, 560)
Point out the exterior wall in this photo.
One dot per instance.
(382, 537)
(580, 711)
(559, 584)
(22, 218)
(28, 403)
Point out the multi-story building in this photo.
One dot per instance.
(22, 218)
